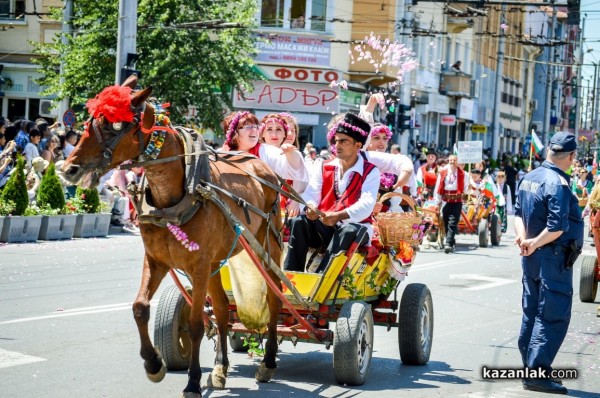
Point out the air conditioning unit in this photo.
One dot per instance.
(46, 109)
(534, 105)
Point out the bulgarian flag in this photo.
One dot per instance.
(536, 143)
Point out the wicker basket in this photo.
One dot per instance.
(395, 227)
(583, 202)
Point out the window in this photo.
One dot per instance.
(294, 14)
(271, 13)
(11, 9)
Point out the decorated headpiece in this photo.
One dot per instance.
(273, 119)
(233, 126)
(382, 129)
(114, 103)
(351, 125)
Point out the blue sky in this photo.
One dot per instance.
(591, 35)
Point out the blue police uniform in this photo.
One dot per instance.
(544, 200)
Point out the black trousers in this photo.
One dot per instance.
(305, 234)
(451, 216)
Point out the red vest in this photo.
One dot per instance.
(429, 178)
(329, 199)
(460, 175)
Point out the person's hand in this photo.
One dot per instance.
(287, 148)
(377, 98)
(293, 208)
(527, 247)
(330, 218)
(311, 213)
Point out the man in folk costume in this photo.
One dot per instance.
(340, 197)
(427, 175)
(449, 189)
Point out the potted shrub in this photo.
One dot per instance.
(6, 209)
(17, 227)
(90, 222)
(50, 200)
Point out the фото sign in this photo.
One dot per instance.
(306, 75)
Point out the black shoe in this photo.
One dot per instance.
(449, 249)
(117, 223)
(544, 385)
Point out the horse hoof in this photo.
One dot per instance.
(264, 374)
(191, 395)
(217, 378)
(158, 376)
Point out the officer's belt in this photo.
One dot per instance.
(553, 248)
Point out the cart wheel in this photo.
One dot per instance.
(495, 230)
(415, 324)
(236, 343)
(353, 343)
(588, 287)
(171, 329)
(482, 231)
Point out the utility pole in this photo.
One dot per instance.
(579, 103)
(402, 91)
(549, 80)
(126, 35)
(594, 115)
(498, 89)
(66, 32)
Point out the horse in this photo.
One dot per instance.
(118, 132)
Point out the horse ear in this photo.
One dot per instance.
(148, 118)
(130, 82)
(141, 96)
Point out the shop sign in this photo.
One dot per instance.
(448, 120)
(284, 96)
(293, 50)
(438, 103)
(479, 129)
(306, 75)
(466, 109)
(469, 151)
(303, 119)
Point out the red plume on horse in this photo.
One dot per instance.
(123, 126)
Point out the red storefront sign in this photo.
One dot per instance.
(284, 96)
(306, 75)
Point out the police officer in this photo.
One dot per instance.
(547, 240)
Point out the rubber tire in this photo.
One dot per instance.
(415, 324)
(588, 287)
(495, 230)
(171, 329)
(354, 327)
(482, 231)
(237, 344)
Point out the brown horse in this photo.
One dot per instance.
(105, 145)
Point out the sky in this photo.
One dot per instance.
(591, 35)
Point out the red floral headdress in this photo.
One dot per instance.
(114, 103)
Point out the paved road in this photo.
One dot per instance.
(66, 330)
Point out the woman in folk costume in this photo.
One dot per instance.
(504, 190)
(242, 134)
(451, 184)
(427, 175)
(580, 185)
(340, 196)
(380, 137)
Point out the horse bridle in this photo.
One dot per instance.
(109, 145)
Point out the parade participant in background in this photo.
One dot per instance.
(31, 150)
(241, 134)
(293, 129)
(449, 188)
(340, 197)
(580, 185)
(549, 231)
(427, 175)
(273, 130)
(507, 209)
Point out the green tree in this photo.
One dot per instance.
(51, 191)
(186, 65)
(15, 189)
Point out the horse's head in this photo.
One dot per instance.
(112, 134)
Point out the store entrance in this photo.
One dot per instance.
(305, 136)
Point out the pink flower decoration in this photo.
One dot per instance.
(233, 126)
(182, 237)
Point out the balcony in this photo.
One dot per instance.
(455, 84)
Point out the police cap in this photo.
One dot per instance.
(563, 142)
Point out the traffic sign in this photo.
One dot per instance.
(69, 118)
